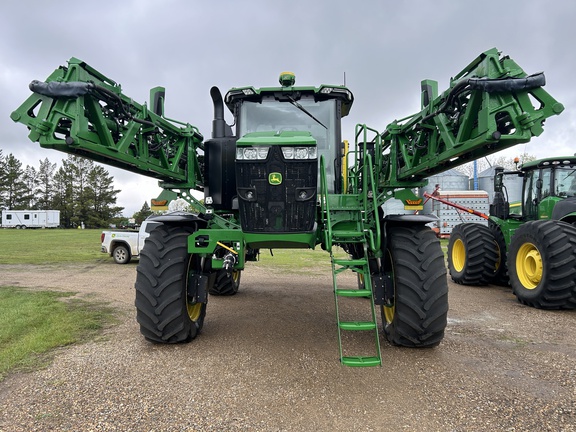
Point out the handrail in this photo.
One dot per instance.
(369, 182)
(325, 206)
(368, 171)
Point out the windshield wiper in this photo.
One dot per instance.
(305, 111)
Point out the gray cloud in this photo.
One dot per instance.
(385, 48)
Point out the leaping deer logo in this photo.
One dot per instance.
(275, 178)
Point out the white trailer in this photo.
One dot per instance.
(449, 217)
(22, 219)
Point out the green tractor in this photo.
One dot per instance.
(282, 176)
(529, 244)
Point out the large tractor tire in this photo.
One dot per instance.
(165, 307)
(500, 276)
(542, 264)
(472, 254)
(416, 315)
(226, 284)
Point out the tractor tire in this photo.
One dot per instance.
(225, 284)
(500, 276)
(542, 264)
(416, 315)
(121, 255)
(163, 308)
(472, 254)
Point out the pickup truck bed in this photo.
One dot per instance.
(124, 246)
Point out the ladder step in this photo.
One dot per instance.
(357, 325)
(349, 262)
(361, 361)
(353, 292)
(347, 234)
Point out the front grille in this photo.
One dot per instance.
(287, 207)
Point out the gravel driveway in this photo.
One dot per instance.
(267, 360)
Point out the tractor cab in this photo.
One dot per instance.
(548, 192)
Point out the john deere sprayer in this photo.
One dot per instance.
(282, 177)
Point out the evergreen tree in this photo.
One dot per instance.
(3, 181)
(144, 212)
(81, 190)
(101, 196)
(79, 168)
(63, 197)
(15, 195)
(30, 180)
(44, 192)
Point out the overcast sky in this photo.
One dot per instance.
(384, 48)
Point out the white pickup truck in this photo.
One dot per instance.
(123, 246)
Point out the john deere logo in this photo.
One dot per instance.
(275, 178)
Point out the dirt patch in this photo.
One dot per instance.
(267, 360)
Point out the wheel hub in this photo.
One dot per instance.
(529, 266)
(458, 255)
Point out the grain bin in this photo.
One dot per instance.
(450, 180)
(513, 185)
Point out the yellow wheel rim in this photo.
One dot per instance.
(458, 255)
(194, 310)
(389, 313)
(529, 266)
(499, 259)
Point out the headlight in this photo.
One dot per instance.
(299, 153)
(252, 153)
(288, 152)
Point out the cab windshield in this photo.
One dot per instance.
(565, 182)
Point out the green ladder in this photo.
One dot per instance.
(361, 267)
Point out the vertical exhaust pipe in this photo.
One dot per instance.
(219, 125)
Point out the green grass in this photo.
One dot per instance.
(49, 246)
(299, 261)
(34, 323)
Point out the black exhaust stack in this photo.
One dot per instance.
(220, 155)
(219, 127)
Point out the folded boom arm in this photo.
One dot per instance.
(80, 111)
(488, 107)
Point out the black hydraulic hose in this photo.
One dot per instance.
(118, 99)
(508, 85)
(56, 89)
(497, 85)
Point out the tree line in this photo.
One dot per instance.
(82, 191)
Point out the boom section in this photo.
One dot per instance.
(490, 105)
(80, 111)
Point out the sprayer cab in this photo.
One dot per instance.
(269, 165)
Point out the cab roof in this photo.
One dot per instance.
(287, 80)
